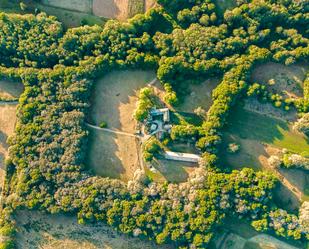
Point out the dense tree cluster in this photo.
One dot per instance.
(183, 40)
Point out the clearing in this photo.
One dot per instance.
(46, 231)
(113, 155)
(114, 101)
(114, 98)
(286, 80)
(259, 137)
(198, 94)
(7, 125)
(239, 234)
(120, 9)
(10, 90)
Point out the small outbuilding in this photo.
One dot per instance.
(184, 157)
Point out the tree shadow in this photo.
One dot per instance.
(101, 156)
(10, 88)
(251, 125)
(113, 98)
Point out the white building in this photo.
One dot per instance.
(184, 157)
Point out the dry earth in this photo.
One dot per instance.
(119, 9)
(113, 155)
(8, 90)
(114, 101)
(115, 96)
(44, 231)
(111, 8)
(281, 78)
(7, 124)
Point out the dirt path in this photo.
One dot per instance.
(111, 131)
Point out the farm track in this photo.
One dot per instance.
(111, 131)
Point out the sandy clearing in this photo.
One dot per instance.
(113, 155)
(150, 4)
(45, 231)
(111, 8)
(7, 124)
(114, 98)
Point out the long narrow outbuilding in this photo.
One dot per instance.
(184, 157)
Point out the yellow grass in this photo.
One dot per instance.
(44, 231)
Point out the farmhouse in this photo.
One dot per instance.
(162, 114)
(184, 157)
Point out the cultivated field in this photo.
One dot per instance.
(40, 230)
(114, 99)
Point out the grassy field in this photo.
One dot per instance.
(276, 132)
(7, 125)
(72, 19)
(45, 231)
(114, 98)
(10, 90)
(69, 18)
(112, 155)
(198, 94)
(287, 80)
(259, 137)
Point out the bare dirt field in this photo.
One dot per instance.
(111, 8)
(44, 231)
(121, 9)
(9, 89)
(280, 78)
(115, 96)
(7, 124)
(113, 155)
(199, 95)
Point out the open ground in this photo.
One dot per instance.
(114, 101)
(8, 90)
(45, 231)
(262, 130)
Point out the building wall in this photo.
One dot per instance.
(77, 5)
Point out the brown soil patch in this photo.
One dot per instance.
(7, 124)
(111, 8)
(150, 4)
(280, 78)
(199, 95)
(115, 96)
(113, 155)
(9, 89)
(44, 231)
